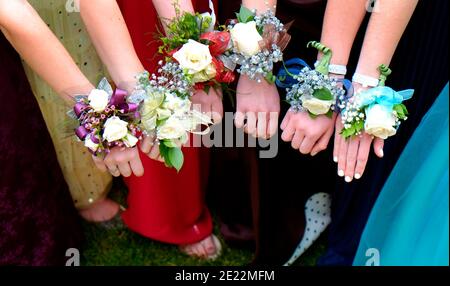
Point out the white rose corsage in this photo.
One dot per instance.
(258, 43)
(165, 111)
(312, 90)
(377, 111)
(105, 119)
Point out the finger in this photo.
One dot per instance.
(146, 144)
(273, 124)
(307, 145)
(352, 154)
(288, 133)
(363, 156)
(250, 126)
(154, 153)
(322, 144)
(378, 146)
(261, 129)
(286, 120)
(125, 169)
(99, 163)
(136, 167)
(114, 170)
(217, 111)
(239, 119)
(342, 156)
(337, 145)
(297, 140)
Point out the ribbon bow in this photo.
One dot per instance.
(385, 96)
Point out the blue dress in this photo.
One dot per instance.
(409, 223)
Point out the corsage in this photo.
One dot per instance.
(377, 111)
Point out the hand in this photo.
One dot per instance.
(210, 103)
(309, 135)
(121, 161)
(151, 149)
(352, 154)
(258, 107)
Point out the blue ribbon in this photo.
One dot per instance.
(385, 96)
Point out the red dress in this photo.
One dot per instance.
(164, 205)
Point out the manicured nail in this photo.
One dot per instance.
(357, 176)
(313, 154)
(381, 152)
(335, 159)
(348, 179)
(341, 173)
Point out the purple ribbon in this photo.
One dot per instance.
(119, 100)
(79, 108)
(81, 132)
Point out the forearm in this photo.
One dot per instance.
(261, 6)
(166, 9)
(383, 34)
(342, 21)
(41, 50)
(112, 40)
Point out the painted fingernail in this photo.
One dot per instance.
(341, 173)
(348, 179)
(381, 152)
(357, 176)
(335, 159)
(313, 154)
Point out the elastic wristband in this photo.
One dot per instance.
(365, 81)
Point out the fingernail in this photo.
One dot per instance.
(348, 179)
(381, 152)
(357, 176)
(341, 173)
(313, 154)
(335, 159)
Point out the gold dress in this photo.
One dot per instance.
(86, 183)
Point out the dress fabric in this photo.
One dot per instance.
(420, 62)
(164, 205)
(409, 223)
(86, 183)
(38, 221)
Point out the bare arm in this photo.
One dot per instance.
(385, 30)
(39, 47)
(112, 40)
(261, 6)
(166, 9)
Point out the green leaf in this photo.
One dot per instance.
(401, 110)
(323, 94)
(348, 132)
(329, 114)
(271, 78)
(169, 144)
(312, 115)
(164, 152)
(245, 15)
(176, 158)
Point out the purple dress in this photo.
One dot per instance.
(38, 221)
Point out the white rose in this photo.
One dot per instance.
(171, 129)
(246, 38)
(193, 57)
(130, 140)
(176, 104)
(380, 121)
(90, 144)
(115, 129)
(207, 74)
(317, 106)
(98, 100)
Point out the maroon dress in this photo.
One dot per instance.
(38, 221)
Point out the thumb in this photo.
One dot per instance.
(378, 146)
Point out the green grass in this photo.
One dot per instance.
(125, 248)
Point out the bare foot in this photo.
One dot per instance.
(209, 248)
(100, 211)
